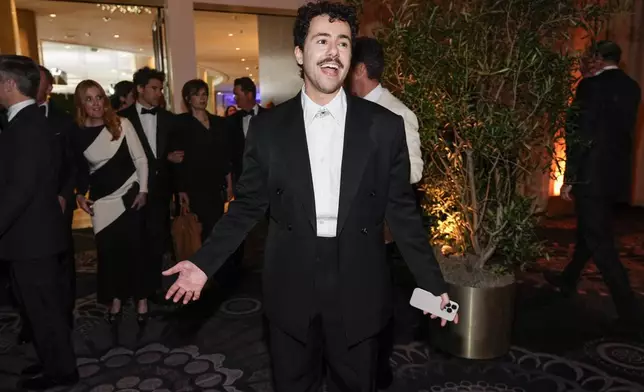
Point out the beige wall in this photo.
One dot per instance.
(9, 38)
(279, 75)
(28, 34)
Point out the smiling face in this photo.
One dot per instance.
(93, 103)
(326, 56)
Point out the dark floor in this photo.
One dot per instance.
(217, 344)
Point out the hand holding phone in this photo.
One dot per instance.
(428, 302)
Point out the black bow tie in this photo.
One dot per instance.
(152, 111)
(248, 112)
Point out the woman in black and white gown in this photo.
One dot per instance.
(114, 168)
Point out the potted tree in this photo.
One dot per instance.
(490, 82)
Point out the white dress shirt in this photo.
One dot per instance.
(247, 118)
(149, 123)
(606, 68)
(15, 108)
(324, 127)
(383, 97)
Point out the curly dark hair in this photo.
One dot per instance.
(335, 11)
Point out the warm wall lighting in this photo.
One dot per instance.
(250, 75)
(236, 48)
(247, 68)
(52, 15)
(243, 59)
(230, 34)
(116, 36)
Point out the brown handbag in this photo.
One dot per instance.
(186, 233)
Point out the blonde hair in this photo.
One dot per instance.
(111, 119)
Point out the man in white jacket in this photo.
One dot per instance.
(368, 64)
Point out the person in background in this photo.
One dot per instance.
(230, 110)
(154, 126)
(33, 233)
(63, 126)
(202, 138)
(599, 145)
(123, 96)
(114, 168)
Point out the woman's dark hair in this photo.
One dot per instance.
(191, 88)
(335, 11)
(228, 110)
(121, 90)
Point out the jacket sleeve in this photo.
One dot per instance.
(405, 221)
(30, 166)
(578, 132)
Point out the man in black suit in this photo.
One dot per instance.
(154, 126)
(332, 167)
(598, 173)
(32, 233)
(245, 93)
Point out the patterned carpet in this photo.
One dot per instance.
(218, 343)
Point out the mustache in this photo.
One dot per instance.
(333, 61)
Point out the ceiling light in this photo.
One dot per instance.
(247, 68)
(250, 75)
(116, 36)
(106, 19)
(236, 48)
(67, 47)
(230, 34)
(52, 15)
(218, 92)
(140, 49)
(125, 9)
(88, 34)
(243, 59)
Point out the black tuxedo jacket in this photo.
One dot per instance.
(63, 128)
(159, 182)
(374, 188)
(237, 140)
(31, 221)
(599, 143)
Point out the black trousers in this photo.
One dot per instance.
(68, 271)
(596, 240)
(39, 286)
(209, 207)
(157, 233)
(299, 366)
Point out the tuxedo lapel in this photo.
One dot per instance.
(298, 161)
(355, 155)
(131, 114)
(163, 120)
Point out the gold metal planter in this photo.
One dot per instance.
(485, 323)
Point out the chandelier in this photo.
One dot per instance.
(124, 9)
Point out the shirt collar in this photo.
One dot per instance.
(375, 94)
(606, 68)
(337, 107)
(46, 105)
(15, 108)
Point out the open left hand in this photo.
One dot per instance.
(444, 302)
(188, 285)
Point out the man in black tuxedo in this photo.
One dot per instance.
(598, 173)
(32, 229)
(154, 127)
(245, 93)
(332, 168)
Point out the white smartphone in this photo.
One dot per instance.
(428, 302)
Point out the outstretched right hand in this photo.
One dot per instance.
(189, 283)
